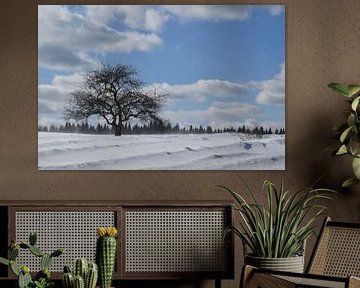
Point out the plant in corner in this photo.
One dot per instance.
(280, 228)
(348, 132)
(42, 278)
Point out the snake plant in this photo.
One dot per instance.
(348, 132)
(279, 228)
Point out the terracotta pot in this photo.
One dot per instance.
(291, 264)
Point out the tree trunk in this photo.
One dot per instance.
(118, 130)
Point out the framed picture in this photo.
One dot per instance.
(161, 87)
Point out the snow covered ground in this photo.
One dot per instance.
(225, 151)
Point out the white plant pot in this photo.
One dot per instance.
(291, 264)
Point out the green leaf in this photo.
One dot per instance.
(351, 120)
(340, 88)
(36, 251)
(345, 134)
(4, 261)
(356, 167)
(340, 127)
(279, 228)
(13, 253)
(14, 268)
(355, 145)
(342, 150)
(349, 182)
(355, 103)
(353, 89)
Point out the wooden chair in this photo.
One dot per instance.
(334, 263)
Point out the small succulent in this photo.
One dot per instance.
(43, 283)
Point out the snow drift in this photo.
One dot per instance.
(224, 151)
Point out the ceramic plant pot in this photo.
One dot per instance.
(291, 264)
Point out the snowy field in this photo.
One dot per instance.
(225, 151)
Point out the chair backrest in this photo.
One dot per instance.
(337, 251)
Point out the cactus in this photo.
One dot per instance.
(24, 280)
(91, 276)
(80, 267)
(13, 253)
(90, 272)
(45, 261)
(57, 253)
(14, 268)
(105, 255)
(79, 282)
(36, 251)
(68, 280)
(4, 261)
(32, 238)
(42, 278)
(24, 245)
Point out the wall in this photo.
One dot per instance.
(322, 41)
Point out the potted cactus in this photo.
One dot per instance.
(84, 275)
(42, 278)
(106, 254)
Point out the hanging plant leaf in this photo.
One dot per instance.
(342, 150)
(356, 167)
(345, 134)
(348, 133)
(349, 182)
(351, 120)
(353, 89)
(340, 88)
(355, 103)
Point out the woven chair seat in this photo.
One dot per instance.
(335, 262)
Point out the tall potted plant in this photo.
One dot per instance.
(348, 132)
(275, 233)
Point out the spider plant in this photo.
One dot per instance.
(279, 229)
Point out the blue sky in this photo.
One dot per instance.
(219, 65)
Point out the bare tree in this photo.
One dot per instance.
(114, 93)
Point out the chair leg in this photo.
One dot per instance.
(246, 274)
(217, 283)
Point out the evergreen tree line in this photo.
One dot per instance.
(155, 128)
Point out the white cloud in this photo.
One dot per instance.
(218, 115)
(210, 12)
(154, 18)
(200, 89)
(53, 97)
(276, 10)
(69, 40)
(138, 17)
(273, 90)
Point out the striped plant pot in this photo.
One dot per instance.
(291, 264)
